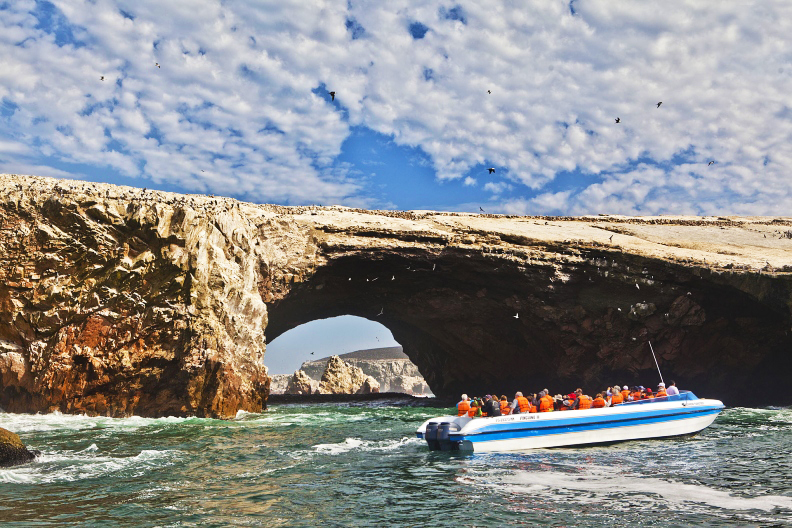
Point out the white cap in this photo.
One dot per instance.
(626, 387)
(661, 384)
(464, 396)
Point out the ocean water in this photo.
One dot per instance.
(361, 465)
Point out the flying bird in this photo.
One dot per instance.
(711, 162)
(658, 104)
(382, 310)
(101, 78)
(434, 266)
(157, 64)
(517, 315)
(480, 209)
(618, 119)
(393, 278)
(489, 91)
(491, 170)
(332, 96)
(636, 285)
(312, 353)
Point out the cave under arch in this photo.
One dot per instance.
(479, 323)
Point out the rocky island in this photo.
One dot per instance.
(118, 301)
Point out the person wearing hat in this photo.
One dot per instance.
(661, 391)
(625, 392)
(491, 406)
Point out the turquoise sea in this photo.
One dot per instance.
(361, 465)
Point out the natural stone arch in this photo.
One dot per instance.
(117, 300)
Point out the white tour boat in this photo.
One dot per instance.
(677, 415)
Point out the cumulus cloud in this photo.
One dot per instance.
(239, 105)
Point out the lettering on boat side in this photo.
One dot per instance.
(521, 418)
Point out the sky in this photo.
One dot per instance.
(232, 98)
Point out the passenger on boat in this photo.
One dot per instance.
(661, 390)
(504, 405)
(475, 408)
(599, 401)
(583, 401)
(625, 393)
(520, 405)
(649, 394)
(636, 394)
(546, 402)
(672, 389)
(491, 406)
(616, 396)
(463, 406)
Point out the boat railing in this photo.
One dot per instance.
(684, 395)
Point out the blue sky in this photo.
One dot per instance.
(232, 97)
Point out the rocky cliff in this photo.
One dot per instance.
(116, 300)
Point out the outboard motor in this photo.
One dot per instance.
(431, 436)
(442, 436)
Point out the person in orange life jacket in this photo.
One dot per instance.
(636, 394)
(672, 389)
(491, 406)
(520, 405)
(475, 408)
(504, 405)
(649, 394)
(661, 390)
(545, 402)
(583, 401)
(625, 393)
(463, 406)
(616, 396)
(599, 401)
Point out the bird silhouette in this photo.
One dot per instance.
(480, 209)
(489, 91)
(611, 238)
(491, 170)
(382, 310)
(517, 316)
(157, 64)
(332, 96)
(636, 285)
(393, 278)
(101, 78)
(658, 104)
(202, 170)
(710, 163)
(618, 119)
(312, 353)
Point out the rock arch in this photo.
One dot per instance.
(118, 301)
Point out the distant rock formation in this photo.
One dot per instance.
(341, 378)
(390, 366)
(12, 451)
(369, 386)
(300, 383)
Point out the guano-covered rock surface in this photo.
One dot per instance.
(119, 301)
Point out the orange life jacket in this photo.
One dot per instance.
(584, 402)
(661, 393)
(625, 394)
(598, 402)
(636, 395)
(472, 411)
(524, 404)
(505, 408)
(463, 407)
(546, 403)
(616, 397)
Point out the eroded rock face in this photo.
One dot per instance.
(118, 301)
(12, 451)
(369, 386)
(300, 383)
(341, 378)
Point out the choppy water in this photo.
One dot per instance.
(356, 465)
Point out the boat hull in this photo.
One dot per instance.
(635, 421)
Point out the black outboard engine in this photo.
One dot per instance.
(442, 436)
(431, 436)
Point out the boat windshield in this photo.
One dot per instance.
(682, 396)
